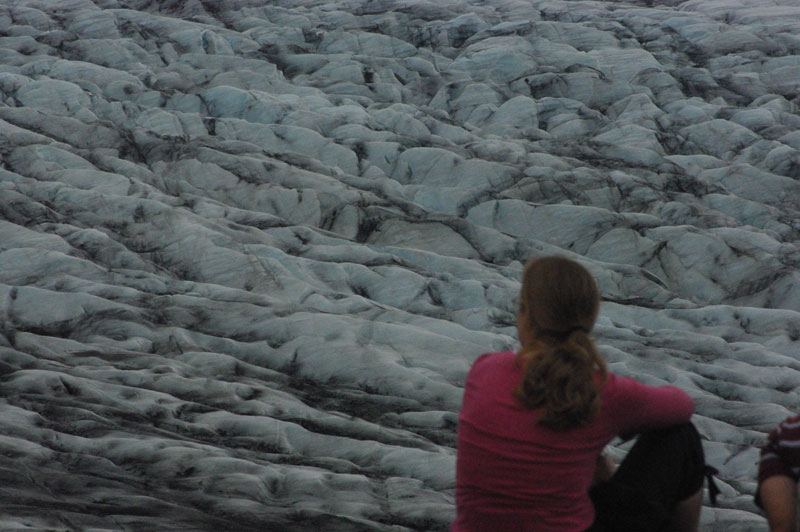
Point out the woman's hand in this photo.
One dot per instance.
(604, 469)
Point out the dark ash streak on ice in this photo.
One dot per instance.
(248, 252)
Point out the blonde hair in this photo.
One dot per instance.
(559, 302)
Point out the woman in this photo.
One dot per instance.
(533, 425)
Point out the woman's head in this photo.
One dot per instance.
(558, 306)
(558, 296)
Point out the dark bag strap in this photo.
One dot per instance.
(713, 489)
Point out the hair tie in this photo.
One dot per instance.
(563, 335)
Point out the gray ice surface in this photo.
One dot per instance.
(249, 249)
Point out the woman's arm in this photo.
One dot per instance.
(639, 407)
(604, 469)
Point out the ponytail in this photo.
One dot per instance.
(558, 305)
(559, 379)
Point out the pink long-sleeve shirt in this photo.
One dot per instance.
(515, 475)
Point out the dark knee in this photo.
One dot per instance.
(682, 444)
(684, 433)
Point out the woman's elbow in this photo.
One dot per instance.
(689, 407)
(684, 405)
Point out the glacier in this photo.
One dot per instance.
(249, 249)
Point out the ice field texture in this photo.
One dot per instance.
(249, 249)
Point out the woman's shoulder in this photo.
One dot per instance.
(621, 382)
(621, 386)
(492, 363)
(499, 359)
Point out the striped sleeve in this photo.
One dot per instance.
(781, 454)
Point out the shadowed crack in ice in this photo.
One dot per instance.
(248, 250)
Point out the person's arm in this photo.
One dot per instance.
(640, 407)
(604, 469)
(777, 481)
(779, 500)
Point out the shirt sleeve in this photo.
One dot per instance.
(780, 455)
(639, 407)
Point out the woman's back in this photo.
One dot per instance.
(515, 474)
